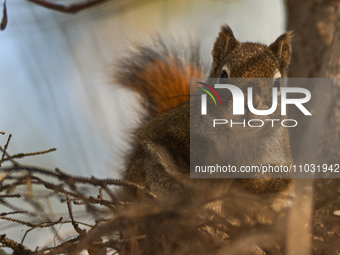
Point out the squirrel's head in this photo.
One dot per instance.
(232, 59)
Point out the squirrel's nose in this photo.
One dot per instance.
(256, 101)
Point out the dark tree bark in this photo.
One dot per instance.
(316, 54)
(316, 48)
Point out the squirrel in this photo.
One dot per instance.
(160, 155)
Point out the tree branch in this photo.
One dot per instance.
(3, 25)
(73, 8)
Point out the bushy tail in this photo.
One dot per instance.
(160, 73)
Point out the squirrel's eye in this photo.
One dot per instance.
(224, 74)
(277, 84)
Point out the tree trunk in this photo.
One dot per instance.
(316, 54)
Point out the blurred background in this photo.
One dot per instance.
(55, 71)
(55, 68)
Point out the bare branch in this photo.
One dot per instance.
(4, 151)
(10, 195)
(103, 182)
(18, 248)
(8, 213)
(74, 224)
(3, 25)
(14, 208)
(73, 8)
(22, 155)
(61, 248)
(32, 225)
(15, 163)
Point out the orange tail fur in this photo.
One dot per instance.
(160, 74)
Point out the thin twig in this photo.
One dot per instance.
(22, 155)
(32, 225)
(78, 222)
(60, 248)
(23, 238)
(28, 194)
(3, 25)
(103, 182)
(16, 209)
(10, 195)
(8, 213)
(74, 224)
(73, 8)
(60, 189)
(100, 195)
(15, 163)
(70, 179)
(18, 248)
(61, 223)
(4, 151)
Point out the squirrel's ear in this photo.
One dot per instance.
(282, 49)
(224, 44)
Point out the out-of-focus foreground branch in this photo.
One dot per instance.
(149, 225)
(73, 8)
